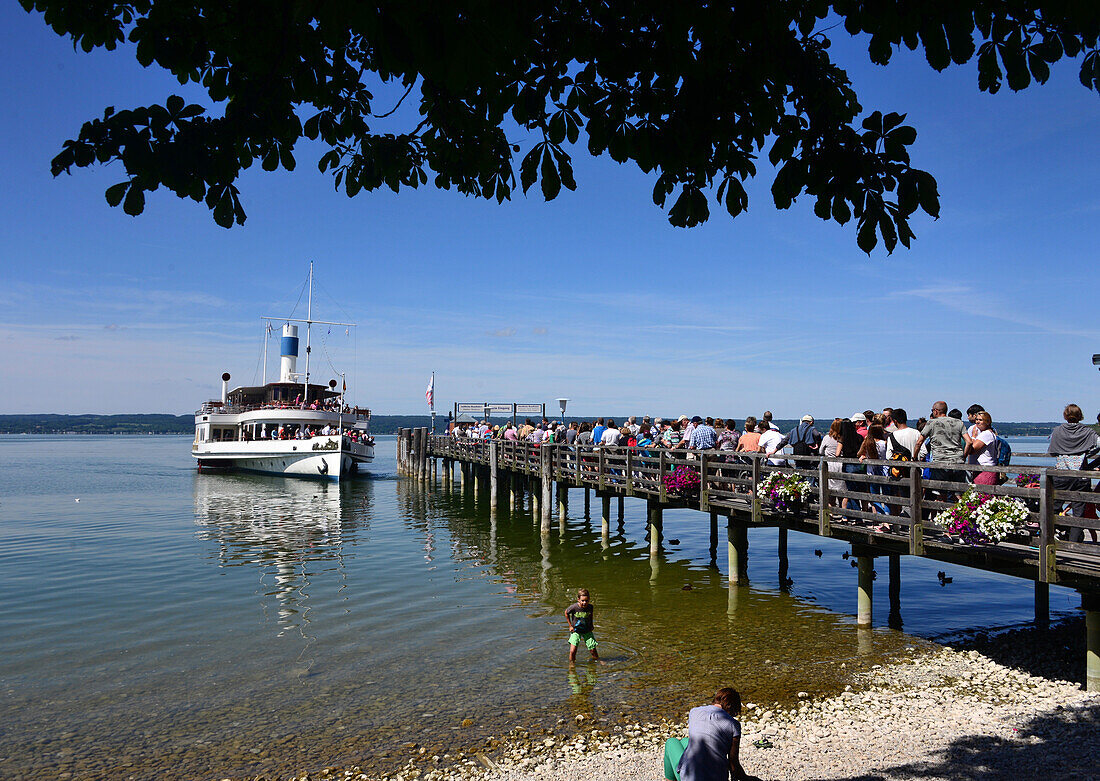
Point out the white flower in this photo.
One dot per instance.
(1000, 516)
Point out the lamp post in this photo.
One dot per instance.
(563, 402)
(1095, 362)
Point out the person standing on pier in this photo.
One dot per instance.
(703, 436)
(597, 431)
(1071, 444)
(947, 439)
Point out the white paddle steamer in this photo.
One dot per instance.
(291, 427)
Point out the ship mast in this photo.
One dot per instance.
(309, 322)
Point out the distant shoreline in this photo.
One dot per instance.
(157, 424)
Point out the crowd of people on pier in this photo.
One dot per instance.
(866, 442)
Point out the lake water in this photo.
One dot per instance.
(160, 623)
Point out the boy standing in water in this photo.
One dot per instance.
(579, 615)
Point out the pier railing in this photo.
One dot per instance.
(842, 503)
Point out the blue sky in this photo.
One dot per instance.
(592, 296)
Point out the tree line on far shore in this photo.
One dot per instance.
(380, 424)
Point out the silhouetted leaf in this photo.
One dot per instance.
(551, 182)
(134, 204)
(115, 192)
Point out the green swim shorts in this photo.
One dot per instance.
(586, 638)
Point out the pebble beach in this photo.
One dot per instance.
(1003, 706)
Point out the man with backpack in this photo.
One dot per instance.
(804, 440)
(901, 447)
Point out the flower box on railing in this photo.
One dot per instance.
(683, 481)
(979, 518)
(785, 491)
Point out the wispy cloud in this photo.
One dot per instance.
(966, 300)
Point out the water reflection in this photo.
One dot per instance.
(289, 529)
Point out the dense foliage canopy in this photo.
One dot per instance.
(690, 92)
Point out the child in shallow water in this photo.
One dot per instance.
(580, 617)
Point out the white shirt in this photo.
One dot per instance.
(611, 437)
(768, 440)
(987, 455)
(907, 438)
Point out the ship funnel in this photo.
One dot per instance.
(288, 364)
(225, 387)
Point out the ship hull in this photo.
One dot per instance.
(320, 458)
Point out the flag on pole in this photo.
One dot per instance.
(430, 393)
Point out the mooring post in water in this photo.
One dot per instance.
(563, 500)
(865, 564)
(513, 491)
(737, 552)
(784, 564)
(605, 515)
(656, 525)
(547, 488)
(1090, 601)
(587, 492)
(494, 487)
(894, 619)
(621, 503)
(713, 536)
(400, 450)
(1042, 604)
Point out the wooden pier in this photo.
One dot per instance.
(1041, 551)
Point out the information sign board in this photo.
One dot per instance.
(528, 409)
(473, 408)
(500, 409)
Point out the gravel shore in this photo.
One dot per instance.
(989, 708)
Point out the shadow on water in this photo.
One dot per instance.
(1056, 745)
(678, 630)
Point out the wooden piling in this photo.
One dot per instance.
(656, 526)
(494, 489)
(784, 564)
(866, 567)
(1091, 603)
(894, 619)
(737, 553)
(713, 536)
(547, 488)
(1042, 604)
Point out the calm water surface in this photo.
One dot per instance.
(160, 623)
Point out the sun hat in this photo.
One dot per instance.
(697, 419)
(859, 417)
(683, 417)
(807, 418)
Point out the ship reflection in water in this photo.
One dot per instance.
(293, 531)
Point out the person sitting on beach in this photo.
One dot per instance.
(581, 618)
(710, 751)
